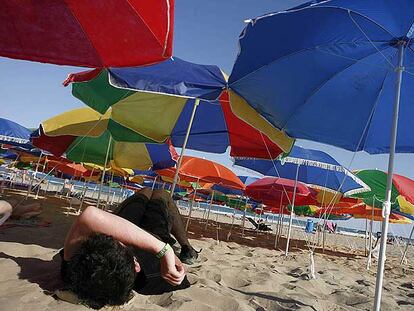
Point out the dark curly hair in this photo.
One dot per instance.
(102, 272)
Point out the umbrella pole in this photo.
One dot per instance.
(103, 173)
(209, 209)
(406, 246)
(277, 229)
(191, 206)
(371, 224)
(39, 186)
(153, 184)
(187, 134)
(34, 175)
(232, 223)
(85, 187)
(244, 221)
(366, 237)
(292, 211)
(387, 204)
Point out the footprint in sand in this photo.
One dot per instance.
(363, 282)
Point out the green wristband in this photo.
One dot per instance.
(162, 252)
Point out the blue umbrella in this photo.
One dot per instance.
(315, 168)
(247, 180)
(14, 134)
(329, 71)
(197, 115)
(312, 167)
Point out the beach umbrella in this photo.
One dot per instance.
(198, 170)
(159, 116)
(315, 168)
(12, 133)
(87, 33)
(83, 135)
(71, 169)
(247, 180)
(198, 115)
(402, 191)
(275, 190)
(334, 83)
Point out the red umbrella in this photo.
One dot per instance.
(195, 169)
(274, 191)
(93, 33)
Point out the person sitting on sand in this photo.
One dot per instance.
(107, 255)
(18, 210)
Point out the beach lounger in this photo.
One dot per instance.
(259, 226)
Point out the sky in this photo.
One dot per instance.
(205, 32)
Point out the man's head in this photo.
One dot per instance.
(102, 272)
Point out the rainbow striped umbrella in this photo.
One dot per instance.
(158, 102)
(83, 135)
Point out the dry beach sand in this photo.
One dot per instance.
(245, 273)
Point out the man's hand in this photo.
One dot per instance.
(172, 270)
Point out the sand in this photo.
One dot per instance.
(244, 273)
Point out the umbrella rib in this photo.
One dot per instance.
(366, 36)
(163, 45)
(316, 90)
(89, 40)
(317, 47)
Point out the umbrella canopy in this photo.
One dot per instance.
(159, 116)
(361, 210)
(247, 180)
(316, 169)
(274, 191)
(334, 83)
(402, 191)
(90, 33)
(195, 169)
(72, 169)
(12, 133)
(339, 83)
(83, 135)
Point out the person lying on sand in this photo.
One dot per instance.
(107, 255)
(18, 210)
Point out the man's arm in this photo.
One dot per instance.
(94, 220)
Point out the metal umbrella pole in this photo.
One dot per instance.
(386, 209)
(406, 246)
(34, 175)
(104, 169)
(191, 206)
(371, 224)
(244, 221)
(38, 188)
(278, 222)
(292, 211)
(155, 181)
(209, 209)
(187, 134)
(85, 188)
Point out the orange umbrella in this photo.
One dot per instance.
(73, 169)
(361, 210)
(195, 169)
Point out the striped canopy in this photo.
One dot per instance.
(83, 135)
(12, 133)
(133, 96)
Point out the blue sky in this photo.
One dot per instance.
(205, 32)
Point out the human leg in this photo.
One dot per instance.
(133, 208)
(188, 254)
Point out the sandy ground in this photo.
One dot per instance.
(243, 273)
